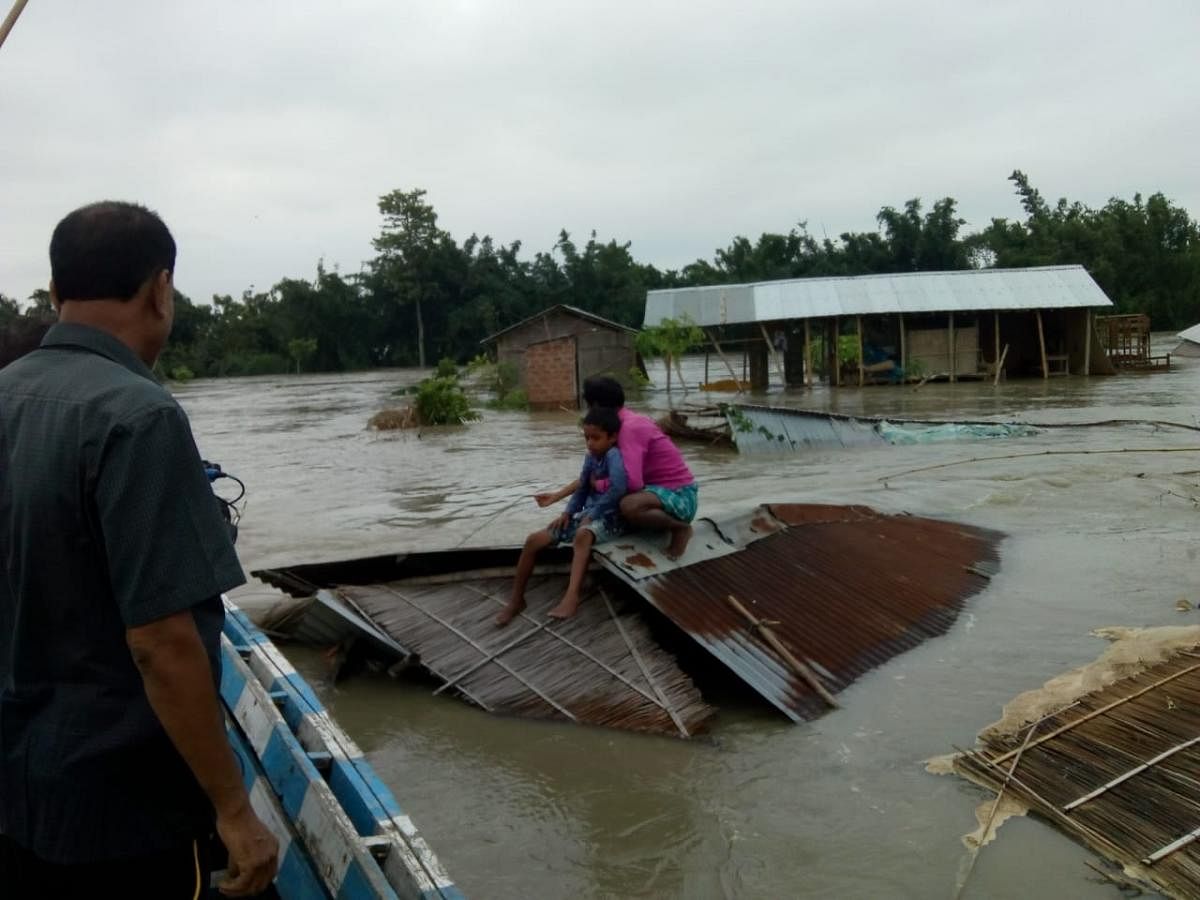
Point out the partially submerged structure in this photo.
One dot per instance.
(557, 349)
(1189, 342)
(918, 325)
(757, 429)
(1117, 768)
(1126, 340)
(794, 601)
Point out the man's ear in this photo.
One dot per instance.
(162, 292)
(54, 301)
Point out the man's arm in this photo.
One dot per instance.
(179, 685)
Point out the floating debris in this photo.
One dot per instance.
(394, 419)
(1115, 766)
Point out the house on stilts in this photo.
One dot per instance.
(969, 324)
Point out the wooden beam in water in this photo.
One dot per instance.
(1042, 345)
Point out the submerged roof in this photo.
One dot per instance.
(570, 310)
(844, 588)
(968, 290)
(821, 595)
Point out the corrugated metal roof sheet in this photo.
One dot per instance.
(843, 588)
(780, 430)
(1047, 287)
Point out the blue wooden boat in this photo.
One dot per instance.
(341, 832)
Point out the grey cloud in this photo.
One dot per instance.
(265, 131)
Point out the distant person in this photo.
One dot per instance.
(662, 491)
(592, 515)
(115, 768)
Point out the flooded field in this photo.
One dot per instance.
(841, 807)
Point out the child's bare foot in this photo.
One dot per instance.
(566, 608)
(679, 542)
(510, 612)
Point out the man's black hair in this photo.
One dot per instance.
(108, 250)
(600, 390)
(603, 417)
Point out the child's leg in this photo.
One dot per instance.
(535, 543)
(584, 539)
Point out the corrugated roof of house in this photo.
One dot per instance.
(969, 290)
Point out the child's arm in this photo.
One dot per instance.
(609, 502)
(548, 498)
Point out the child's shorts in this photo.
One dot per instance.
(602, 532)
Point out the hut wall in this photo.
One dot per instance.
(555, 324)
(550, 373)
(930, 347)
(605, 351)
(600, 349)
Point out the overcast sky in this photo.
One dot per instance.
(264, 132)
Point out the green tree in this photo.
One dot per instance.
(301, 350)
(413, 253)
(670, 339)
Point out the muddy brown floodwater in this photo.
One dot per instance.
(841, 807)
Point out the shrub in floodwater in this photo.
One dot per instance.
(441, 401)
(501, 379)
(514, 400)
(446, 368)
(181, 373)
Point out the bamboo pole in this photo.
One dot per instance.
(763, 628)
(996, 336)
(1048, 807)
(995, 805)
(1125, 776)
(1101, 711)
(491, 657)
(837, 351)
(1087, 342)
(463, 636)
(637, 658)
(808, 377)
(953, 350)
(1042, 345)
(903, 349)
(1000, 366)
(774, 356)
(862, 377)
(725, 359)
(582, 651)
(11, 19)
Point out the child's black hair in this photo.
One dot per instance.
(603, 418)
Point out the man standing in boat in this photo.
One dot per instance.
(114, 764)
(662, 491)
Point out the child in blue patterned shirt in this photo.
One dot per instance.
(592, 515)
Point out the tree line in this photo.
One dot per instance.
(426, 296)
